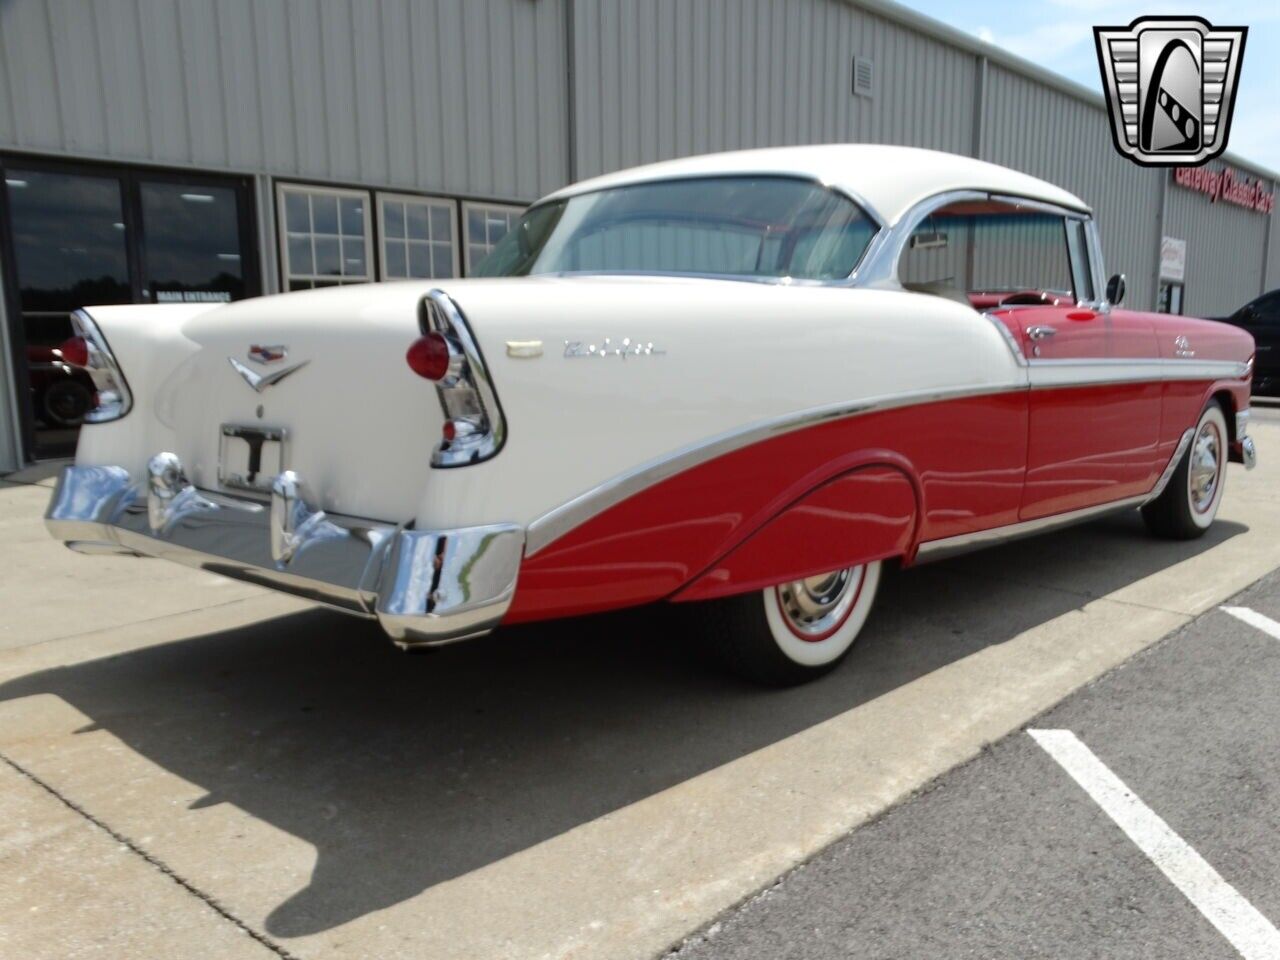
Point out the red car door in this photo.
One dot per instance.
(1094, 410)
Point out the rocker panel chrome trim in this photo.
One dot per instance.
(963, 543)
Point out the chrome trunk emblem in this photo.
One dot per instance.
(260, 381)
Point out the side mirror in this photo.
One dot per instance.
(1115, 288)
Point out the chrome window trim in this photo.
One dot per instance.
(884, 270)
(1094, 240)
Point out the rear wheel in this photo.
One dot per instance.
(793, 632)
(66, 402)
(1189, 503)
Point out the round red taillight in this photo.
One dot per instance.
(75, 351)
(428, 356)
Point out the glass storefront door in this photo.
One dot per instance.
(82, 235)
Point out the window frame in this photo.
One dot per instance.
(881, 264)
(287, 276)
(870, 253)
(422, 198)
(469, 205)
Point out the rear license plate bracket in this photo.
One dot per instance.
(251, 457)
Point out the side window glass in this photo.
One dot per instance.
(1078, 249)
(984, 252)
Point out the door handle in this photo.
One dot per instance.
(1041, 331)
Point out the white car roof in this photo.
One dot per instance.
(890, 180)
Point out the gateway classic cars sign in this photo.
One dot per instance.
(1229, 185)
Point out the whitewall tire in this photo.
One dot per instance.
(1189, 503)
(792, 632)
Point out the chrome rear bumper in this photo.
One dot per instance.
(425, 587)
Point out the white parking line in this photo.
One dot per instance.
(1245, 928)
(1255, 619)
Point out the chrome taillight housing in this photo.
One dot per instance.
(474, 427)
(112, 399)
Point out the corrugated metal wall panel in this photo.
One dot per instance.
(29, 75)
(1224, 250)
(122, 70)
(1273, 248)
(1048, 134)
(456, 96)
(670, 78)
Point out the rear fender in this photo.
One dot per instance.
(866, 514)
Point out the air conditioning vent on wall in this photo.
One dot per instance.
(864, 77)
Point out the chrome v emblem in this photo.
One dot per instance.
(260, 381)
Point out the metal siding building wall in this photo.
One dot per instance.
(1049, 134)
(457, 96)
(1224, 250)
(475, 98)
(670, 78)
(1273, 253)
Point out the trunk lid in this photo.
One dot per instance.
(326, 370)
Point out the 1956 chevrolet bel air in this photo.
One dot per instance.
(740, 382)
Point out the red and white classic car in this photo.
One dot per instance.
(741, 383)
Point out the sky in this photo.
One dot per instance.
(1058, 35)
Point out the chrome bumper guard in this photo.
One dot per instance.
(425, 587)
(1243, 450)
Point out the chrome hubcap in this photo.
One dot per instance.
(816, 606)
(1206, 465)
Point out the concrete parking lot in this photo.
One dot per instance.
(191, 767)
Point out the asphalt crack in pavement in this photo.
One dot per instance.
(158, 864)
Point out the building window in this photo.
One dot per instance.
(1170, 300)
(486, 224)
(325, 238)
(417, 237)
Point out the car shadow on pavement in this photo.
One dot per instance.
(405, 771)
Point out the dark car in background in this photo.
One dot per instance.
(1261, 317)
(61, 389)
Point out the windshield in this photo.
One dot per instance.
(735, 226)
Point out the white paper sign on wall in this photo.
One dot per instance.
(1173, 259)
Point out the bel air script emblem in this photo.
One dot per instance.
(624, 348)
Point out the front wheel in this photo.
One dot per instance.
(1187, 506)
(793, 632)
